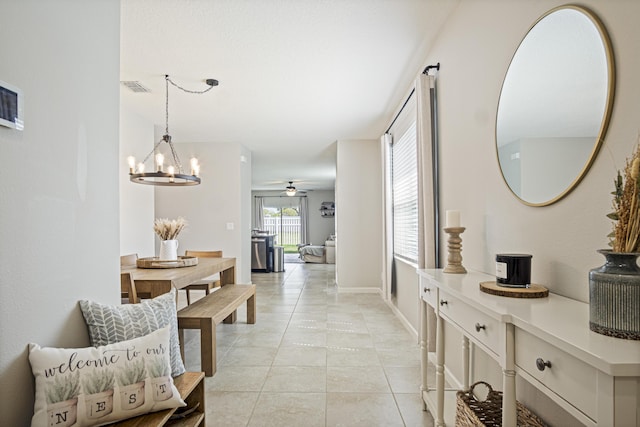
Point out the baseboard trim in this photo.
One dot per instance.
(402, 319)
(394, 309)
(354, 290)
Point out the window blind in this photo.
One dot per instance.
(404, 187)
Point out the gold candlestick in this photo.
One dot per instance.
(454, 260)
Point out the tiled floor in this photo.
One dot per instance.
(315, 357)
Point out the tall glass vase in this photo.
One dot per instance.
(614, 296)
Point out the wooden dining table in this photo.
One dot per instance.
(158, 281)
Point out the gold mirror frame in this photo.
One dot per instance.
(608, 49)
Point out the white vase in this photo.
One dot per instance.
(168, 250)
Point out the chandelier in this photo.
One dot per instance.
(167, 172)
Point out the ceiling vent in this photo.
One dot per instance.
(135, 86)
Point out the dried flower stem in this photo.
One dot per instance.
(626, 204)
(167, 229)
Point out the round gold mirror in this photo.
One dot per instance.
(555, 105)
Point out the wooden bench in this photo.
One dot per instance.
(190, 385)
(209, 311)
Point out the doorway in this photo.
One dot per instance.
(282, 217)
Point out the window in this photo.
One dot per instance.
(404, 187)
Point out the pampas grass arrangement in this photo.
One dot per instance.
(168, 229)
(625, 236)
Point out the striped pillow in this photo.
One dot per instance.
(109, 324)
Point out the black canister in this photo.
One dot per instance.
(513, 270)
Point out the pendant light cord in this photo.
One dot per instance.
(210, 82)
(166, 105)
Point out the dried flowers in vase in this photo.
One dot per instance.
(614, 288)
(625, 236)
(168, 229)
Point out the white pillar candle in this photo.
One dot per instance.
(453, 219)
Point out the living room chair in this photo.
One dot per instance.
(206, 284)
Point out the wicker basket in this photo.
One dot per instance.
(473, 412)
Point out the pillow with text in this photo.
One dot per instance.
(99, 385)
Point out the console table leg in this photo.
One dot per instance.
(439, 421)
(509, 411)
(424, 352)
(465, 363)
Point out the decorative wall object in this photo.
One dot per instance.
(327, 209)
(555, 105)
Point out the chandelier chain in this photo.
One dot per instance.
(176, 159)
(155, 147)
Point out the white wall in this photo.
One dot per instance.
(358, 215)
(221, 200)
(320, 227)
(245, 199)
(59, 197)
(563, 237)
(474, 49)
(136, 201)
(407, 292)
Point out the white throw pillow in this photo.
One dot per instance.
(110, 324)
(99, 385)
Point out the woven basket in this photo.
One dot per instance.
(473, 412)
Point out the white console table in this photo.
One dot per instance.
(546, 341)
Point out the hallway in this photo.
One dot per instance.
(315, 357)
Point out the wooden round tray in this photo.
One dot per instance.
(533, 291)
(154, 262)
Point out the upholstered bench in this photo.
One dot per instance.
(209, 311)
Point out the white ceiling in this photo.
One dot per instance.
(295, 75)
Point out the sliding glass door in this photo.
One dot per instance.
(282, 218)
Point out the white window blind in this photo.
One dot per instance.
(404, 185)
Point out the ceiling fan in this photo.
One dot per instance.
(291, 191)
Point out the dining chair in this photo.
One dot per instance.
(130, 260)
(208, 283)
(128, 292)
